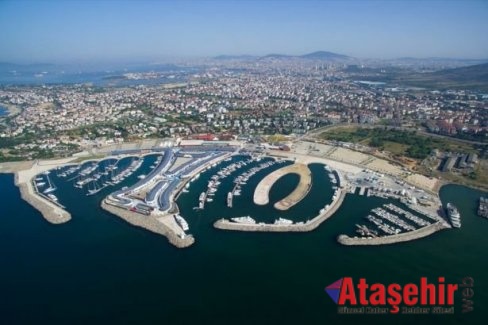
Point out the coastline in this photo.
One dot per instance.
(164, 224)
(12, 109)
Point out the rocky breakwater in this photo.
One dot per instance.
(385, 240)
(295, 227)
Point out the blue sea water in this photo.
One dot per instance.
(3, 111)
(70, 74)
(98, 269)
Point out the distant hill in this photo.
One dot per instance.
(277, 56)
(324, 55)
(318, 55)
(234, 57)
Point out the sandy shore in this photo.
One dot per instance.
(429, 185)
(150, 223)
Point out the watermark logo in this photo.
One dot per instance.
(467, 291)
(360, 297)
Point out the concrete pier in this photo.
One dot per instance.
(296, 227)
(149, 223)
(386, 240)
(52, 212)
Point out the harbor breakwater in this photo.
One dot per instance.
(50, 211)
(296, 227)
(386, 240)
(149, 223)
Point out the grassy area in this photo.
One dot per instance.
(276, 138)
(402, 143)
(395, 148)
(416, 146)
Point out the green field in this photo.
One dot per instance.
(402, 143)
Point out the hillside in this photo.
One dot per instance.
(324, 55)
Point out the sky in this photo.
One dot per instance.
(60, 31)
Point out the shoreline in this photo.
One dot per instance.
(149, 223)
(344, 166)
(12, 109)
(474, 187)
(162, 224)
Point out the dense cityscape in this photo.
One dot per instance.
(243, 101)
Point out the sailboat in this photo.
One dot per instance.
(51, 188)
(94, 190)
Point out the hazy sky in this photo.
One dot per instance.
(51, 31)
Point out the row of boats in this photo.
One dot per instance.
(390, 220)
(70, 171)
(40, 183)
(114, 179)
(483, 207)
(332, 177)
(216, 180)
(250, 221)
(243, 178)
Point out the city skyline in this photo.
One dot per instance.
(56, 31)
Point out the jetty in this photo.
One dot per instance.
(52, 211)
(392, 239)
(309, 225)
(155, 225)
